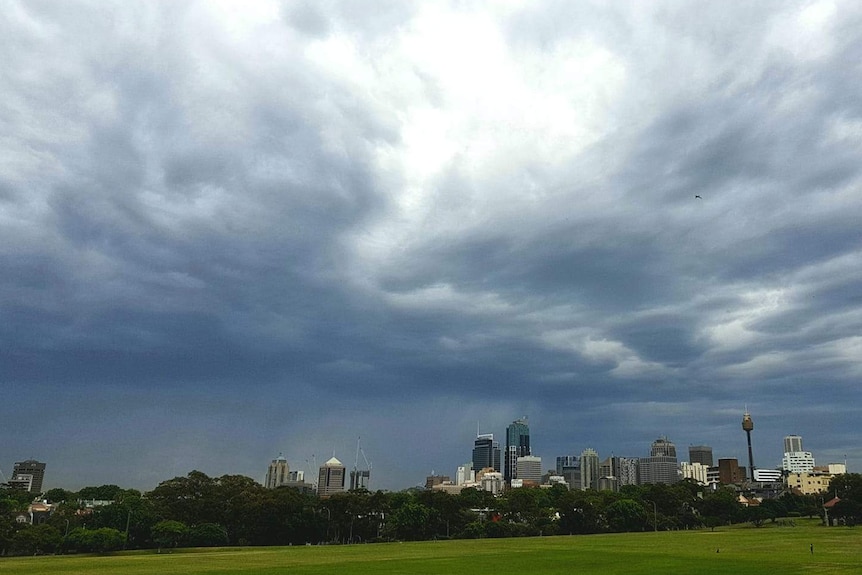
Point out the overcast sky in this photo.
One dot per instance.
(233, 229)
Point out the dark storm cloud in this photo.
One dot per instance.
(302, 224)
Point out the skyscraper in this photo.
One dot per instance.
(610, 474)
(589, 469)
(700, 454)
(517, 445)
(795, 460)
(31, 467)
(486, 452)
(359, 479)
(331, 478)
(529, 468)
(569, 466)
(661, 447)
(792, 443)
(798, 462)
(629, 470)
(278, 472)
(661, 466)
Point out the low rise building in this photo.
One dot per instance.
(809, 483)
(768, 475)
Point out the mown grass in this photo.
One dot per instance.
(784, 550)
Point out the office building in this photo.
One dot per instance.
(551, 478)
(695, 471)
(278, 473)
(31, 467)
(730, 472)
(661, 447)
(609, 484)
(491, 481)
(629, 470)
(809, 483)
(609, 479)
(517, 445)
(359, 479)
(609, 467)
(798, 462)
(432, 480)
(24, 482)
(712, 476)
(486, 452)
(589, 469)
(768, 475)
(569, 467)
(661, 466)
(330, 480)
(296, 476)
(792, 443)
(465, 474)
(700, 454)
(529, 468)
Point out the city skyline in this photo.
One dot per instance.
(279, 468)
(229, 230)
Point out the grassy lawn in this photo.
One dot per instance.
(770, 549)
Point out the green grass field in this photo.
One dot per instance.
(769, 549)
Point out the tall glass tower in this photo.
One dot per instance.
(486, 452)
(517, 445)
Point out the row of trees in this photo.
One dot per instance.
(198, 510)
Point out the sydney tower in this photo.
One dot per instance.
(748, 425)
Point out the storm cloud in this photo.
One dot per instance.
(233, 230)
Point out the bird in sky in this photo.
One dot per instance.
(698, 197)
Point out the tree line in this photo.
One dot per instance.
(200, 511)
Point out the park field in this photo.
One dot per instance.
(771, 549)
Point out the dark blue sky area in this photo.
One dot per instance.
(233, 230)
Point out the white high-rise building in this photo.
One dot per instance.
(798, 462)
(795, 460)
